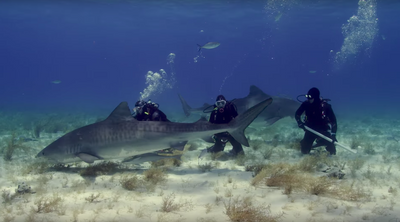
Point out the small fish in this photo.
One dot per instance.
(312, 71)
(210, 45)
(56, 82)
(278, 17)
(24, 139)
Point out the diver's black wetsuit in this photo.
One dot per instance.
(151, 113)
(320, 117)
(220, 116)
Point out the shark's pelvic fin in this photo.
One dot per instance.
(87, 157)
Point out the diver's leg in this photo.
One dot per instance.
(237, 147)
(307, 142)
(330, 147)
(219, 144)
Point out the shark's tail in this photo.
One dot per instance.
(199, 47)
(242, 121)
(186, 108)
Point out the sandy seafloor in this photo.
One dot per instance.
(193, 195)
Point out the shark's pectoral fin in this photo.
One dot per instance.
(88, 158)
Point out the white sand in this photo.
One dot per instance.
(202, 196)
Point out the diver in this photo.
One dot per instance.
(224, 112)
(320, 117)
(148, 111)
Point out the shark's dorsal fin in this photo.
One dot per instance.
(255, 91)
(120, 113)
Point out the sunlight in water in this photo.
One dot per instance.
(157, 82)
(277, 8)
(359, 32)
(171, 62)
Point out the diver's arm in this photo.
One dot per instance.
(157, 116)
(213, 114)
(299, 112)
(163, 116)
(332, 119)
(234, 110)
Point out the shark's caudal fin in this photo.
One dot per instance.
(186, 108)
(240, 123)
(199, 47)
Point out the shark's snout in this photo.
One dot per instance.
(40, 154)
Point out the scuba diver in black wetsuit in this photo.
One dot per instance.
(148, 111)
(320, 117)
(224, 112)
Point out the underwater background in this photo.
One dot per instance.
(66, 64)
(88, 56)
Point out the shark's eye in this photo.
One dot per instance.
(43, 153)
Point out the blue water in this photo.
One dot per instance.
(102, 50)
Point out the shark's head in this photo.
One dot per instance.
(59, 151)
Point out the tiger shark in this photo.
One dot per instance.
(122, 136)
(280, 107)
(189, 110)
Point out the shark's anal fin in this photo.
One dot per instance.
(87, 157)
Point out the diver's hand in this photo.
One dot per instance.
(333, 138)
(301, 125)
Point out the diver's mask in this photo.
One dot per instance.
(140, 103)
(220, 104)
(138, 108)
(155, 105)
(308, 96)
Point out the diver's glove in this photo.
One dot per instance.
(301, 125)
(333, 137)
